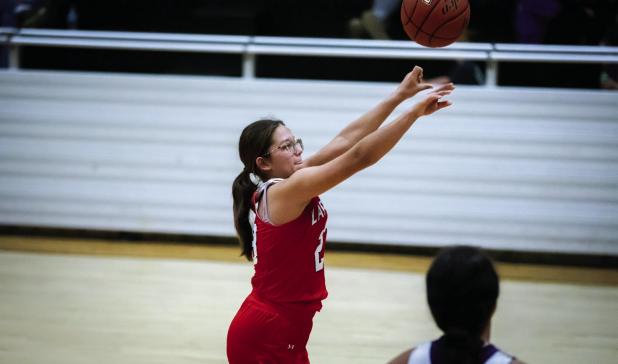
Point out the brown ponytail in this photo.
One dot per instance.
(254, 142)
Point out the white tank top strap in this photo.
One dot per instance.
(262, 208)
(499, 358)
(421, 354)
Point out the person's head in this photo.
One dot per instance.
(462, 292)
(267, 149)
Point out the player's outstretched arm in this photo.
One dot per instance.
(288, 198)
(370, 121)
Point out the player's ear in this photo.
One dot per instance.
(263, 164)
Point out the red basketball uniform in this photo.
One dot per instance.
(274, 322)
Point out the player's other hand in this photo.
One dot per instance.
(431, 104)
(413, 83)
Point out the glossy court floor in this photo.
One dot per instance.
(96, 301)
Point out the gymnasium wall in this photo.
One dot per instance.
(505, 168)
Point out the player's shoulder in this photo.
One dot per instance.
(402, 358)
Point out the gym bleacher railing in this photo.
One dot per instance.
(251, 47)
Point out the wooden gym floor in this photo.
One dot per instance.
(67, 300)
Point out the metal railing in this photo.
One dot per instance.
(250, 47)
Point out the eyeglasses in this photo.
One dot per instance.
(290, 146)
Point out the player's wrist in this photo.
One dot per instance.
(414, 113)
(398, 97)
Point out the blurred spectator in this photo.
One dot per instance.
(532, 18)
(374, 21)
(379, 21)
(582, 22)
(27, 9)
(51, 14)
(491, 21)
(564, 22)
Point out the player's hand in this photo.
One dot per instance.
(431, 104)
(445, 87)
(412, 84)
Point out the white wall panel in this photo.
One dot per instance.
(505, 168)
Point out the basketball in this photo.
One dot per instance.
(435, 23)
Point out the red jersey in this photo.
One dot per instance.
(289, 258)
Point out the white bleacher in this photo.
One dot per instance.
(506, 168)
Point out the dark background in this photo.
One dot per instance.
(579, 22)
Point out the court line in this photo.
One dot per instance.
(342, 259)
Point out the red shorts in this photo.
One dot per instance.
(263, 333)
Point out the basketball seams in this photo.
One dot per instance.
(456, 17)
(449, 26)
(403, 5)
(453, 19)
(430, 34)
(405, 11)
(413, 11)
(427, 16)
(437, 36)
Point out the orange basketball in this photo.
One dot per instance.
(435, 23)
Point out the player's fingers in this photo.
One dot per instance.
(446, 86)
(443, 92)
(417, 73)
(431, 99)
(443, 104)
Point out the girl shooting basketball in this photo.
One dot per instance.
(286, 240)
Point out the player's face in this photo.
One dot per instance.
(284, 155)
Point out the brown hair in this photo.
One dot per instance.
(254, 142)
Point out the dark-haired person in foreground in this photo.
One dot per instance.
(462, 292)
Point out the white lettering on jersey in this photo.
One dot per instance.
(321, 212)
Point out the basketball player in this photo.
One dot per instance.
(462, 292)
(286, 241)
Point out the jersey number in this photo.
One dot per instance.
(319, 262)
